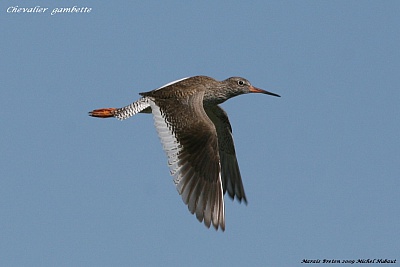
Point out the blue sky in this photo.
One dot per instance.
(320, 165)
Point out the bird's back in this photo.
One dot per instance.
(181, 88)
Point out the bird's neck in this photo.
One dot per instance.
(218, 96)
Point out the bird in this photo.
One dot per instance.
(196, 136)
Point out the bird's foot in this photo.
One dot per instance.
(103, 112)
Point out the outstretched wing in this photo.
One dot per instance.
(190, 141)
(231, 178)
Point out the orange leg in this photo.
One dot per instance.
(103, 112)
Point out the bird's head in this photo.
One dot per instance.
(237, 86)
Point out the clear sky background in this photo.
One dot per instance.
(320, 165)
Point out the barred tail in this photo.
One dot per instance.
(141, 105)
(128, 111)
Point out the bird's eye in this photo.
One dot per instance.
(241, 83)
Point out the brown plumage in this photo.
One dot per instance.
(197, 138)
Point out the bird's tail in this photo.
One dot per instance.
(142, 105)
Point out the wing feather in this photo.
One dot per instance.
(190, 141)
(231, 178)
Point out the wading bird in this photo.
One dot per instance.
(197, 137)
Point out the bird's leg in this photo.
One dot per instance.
(103, 112)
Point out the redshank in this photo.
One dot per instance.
(197, 137)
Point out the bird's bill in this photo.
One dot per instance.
(258, 90)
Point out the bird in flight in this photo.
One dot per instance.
(197, 137)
